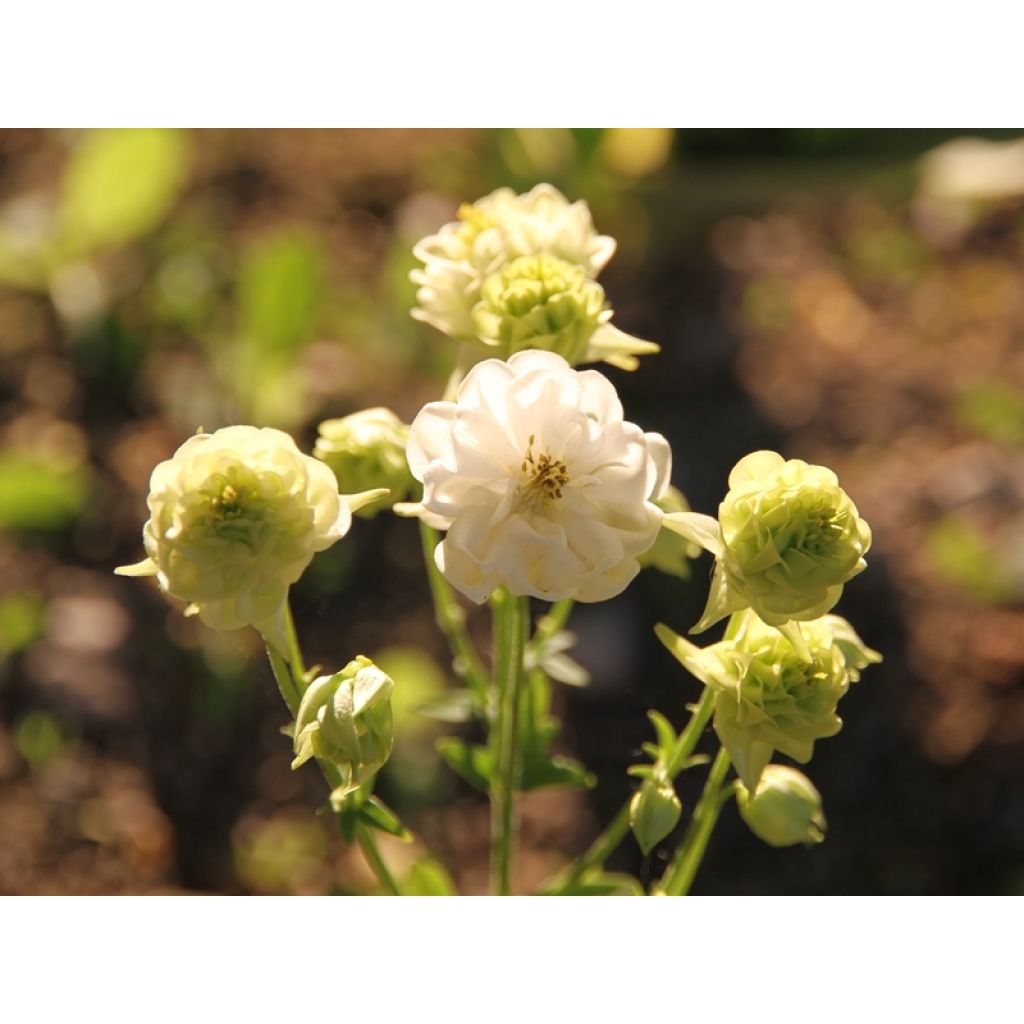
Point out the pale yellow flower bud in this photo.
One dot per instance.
(346, 719)
(785, 808)
(366, 450)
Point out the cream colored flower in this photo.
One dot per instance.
(768, 696)
(235, 518)
(787, 538)
(460, 281)
(540, 483)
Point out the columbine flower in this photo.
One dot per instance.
(235, 518)
(787, 538)
(367, 450)
(785, 809)
(461, 280)
(768, 696)
(540, 483)
(346, 719)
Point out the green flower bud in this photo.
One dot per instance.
(671, 554)
(367, 450)
(346, 719)
(787, 538)
(540, 302)
(654, 811)
(785, 809)
(770, 696)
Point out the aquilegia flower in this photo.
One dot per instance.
(235, 518)
(768, 696)
(481, 280)
(542, 486)
(787, 538)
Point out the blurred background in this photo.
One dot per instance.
(850, 297)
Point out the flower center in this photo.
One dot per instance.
(822, 527)
(542, 477)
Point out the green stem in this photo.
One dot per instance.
(608, 841)
(511, 620)
(285, 682)
(368, 844)
(294, 652)
(451, 620)
(550, 624)
(680, 875)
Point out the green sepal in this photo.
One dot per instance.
(378, 815)
(454, 706)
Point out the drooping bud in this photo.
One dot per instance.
(784, 809)
(654, 811)
(346, 719)
(366, 450)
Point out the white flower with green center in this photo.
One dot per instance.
(235, 518)
(492, 233)
(768, 695)
(786, 540)
(542, 485)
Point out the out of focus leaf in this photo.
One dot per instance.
(21, 621)
(37, 737)
(428, 877)
(119, 185)
(35, 495)
(473, 763)
(961, 553)
(376, 813)
(994, 410)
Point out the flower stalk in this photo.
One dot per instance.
(511, 620)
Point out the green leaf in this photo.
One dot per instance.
(596, 882)
(378, 815)
(118, 186)
(428, 877)
(455, 706)
(473, 763)
(556, 771)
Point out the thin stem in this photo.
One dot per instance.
(680, 875)
(608, 841)
(285, 682)
(551, 623)
(368, 844)
(451, 619)
(511, 615)
(294, 652)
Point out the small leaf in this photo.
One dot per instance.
(455, 706)
(663, 727)
(428, 877)
(473, 763)
(556, 771)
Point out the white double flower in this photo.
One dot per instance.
(542, 485)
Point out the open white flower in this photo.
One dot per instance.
(540, 483)
(460, 260)
(235, 518)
